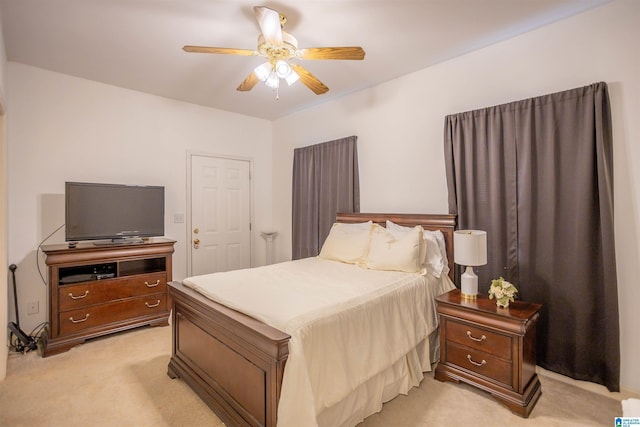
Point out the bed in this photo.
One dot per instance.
(236, 362)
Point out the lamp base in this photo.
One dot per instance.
(468, 297)
(469, 284)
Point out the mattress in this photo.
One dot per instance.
(357, 335)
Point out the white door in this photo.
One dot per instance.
(220, 214)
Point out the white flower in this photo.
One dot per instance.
(503, 291)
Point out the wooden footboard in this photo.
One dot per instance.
(233, 362)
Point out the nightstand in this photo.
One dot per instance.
(491, 348)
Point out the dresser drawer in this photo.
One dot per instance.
(72, 297)
(480, 339)
(480, 362)
(99, 315)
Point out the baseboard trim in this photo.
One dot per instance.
(589, 386)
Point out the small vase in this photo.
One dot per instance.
(503, 304)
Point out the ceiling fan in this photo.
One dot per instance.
(278, 47)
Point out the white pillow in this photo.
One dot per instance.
(436, 261)
(399, 231)
(347, 243)
(401, 253)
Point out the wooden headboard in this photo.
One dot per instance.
(443, 222)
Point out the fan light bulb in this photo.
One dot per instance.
(282, 69)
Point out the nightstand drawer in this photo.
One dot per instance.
(480, 339)
(481, 363)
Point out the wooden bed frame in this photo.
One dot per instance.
(234, 362)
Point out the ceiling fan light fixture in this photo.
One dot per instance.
(292, 78)
(273, 81)
(263, 71)
(283, 69)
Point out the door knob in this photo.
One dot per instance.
(196, 243)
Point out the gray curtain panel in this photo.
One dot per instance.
(325, 182)
(537, 175)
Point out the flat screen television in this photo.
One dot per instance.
(113, 212)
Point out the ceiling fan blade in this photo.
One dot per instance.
(269, 22)
(350, 52)
(224, 50)
(309, 80)
(248, 83)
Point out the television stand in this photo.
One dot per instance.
(99, 290)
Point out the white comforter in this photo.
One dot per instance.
(347, 324)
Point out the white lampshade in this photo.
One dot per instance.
(273, 81)
(292, 77)
(470, 249)
(262, 71)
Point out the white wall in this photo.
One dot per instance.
(61, 128)
(400, 125)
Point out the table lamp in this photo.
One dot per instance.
(470, 249)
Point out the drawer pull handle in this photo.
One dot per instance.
(79, 296)
(152, 305)
(484, 362)
(482, 338)
(153, 285)
(79, 320)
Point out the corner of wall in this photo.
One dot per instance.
(4, 350)
(4, 300)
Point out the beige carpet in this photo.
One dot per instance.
(121, 380)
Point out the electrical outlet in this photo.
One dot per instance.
(33, 307)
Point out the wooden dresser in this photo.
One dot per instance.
(491, 348)
(98, 290)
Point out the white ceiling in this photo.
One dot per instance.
(137, 44)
